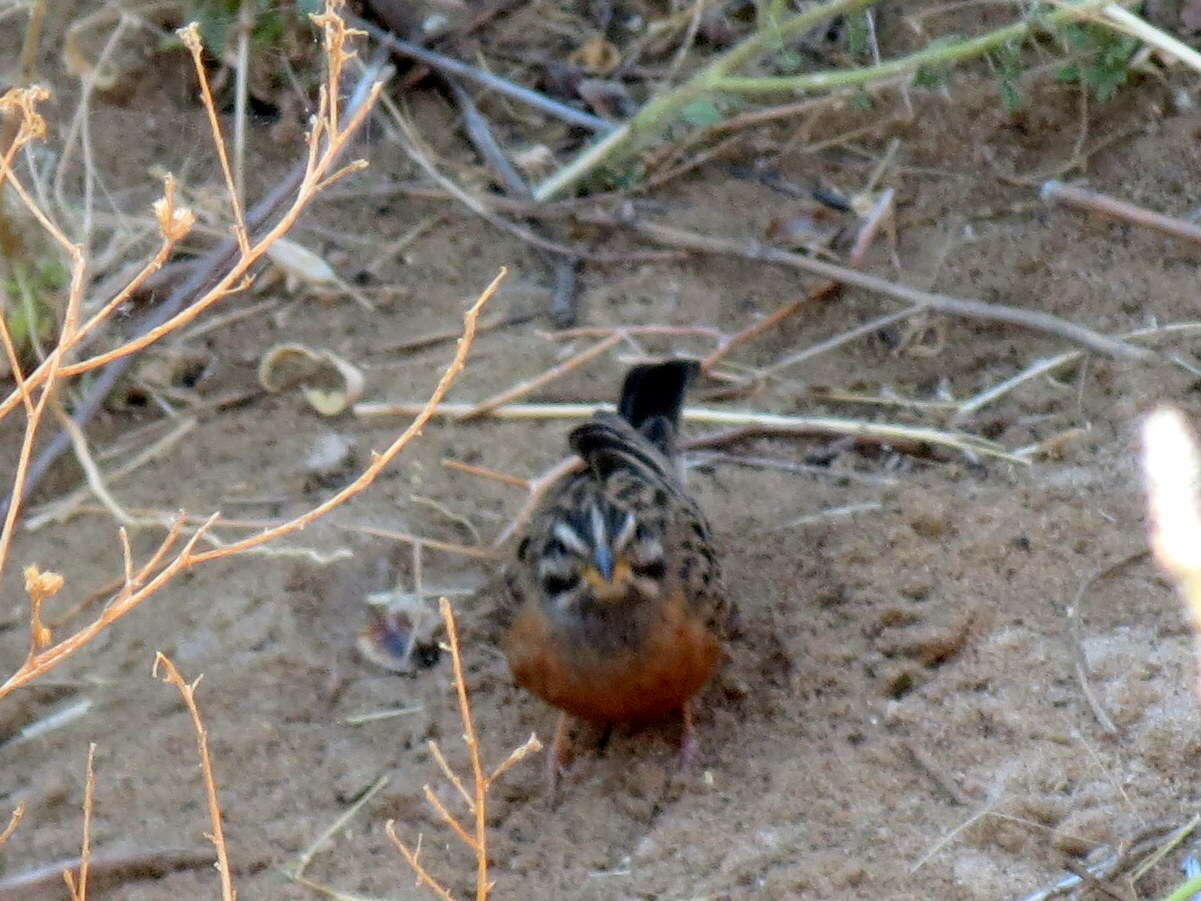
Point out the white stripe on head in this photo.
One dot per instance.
(571, 538)
(626, 533)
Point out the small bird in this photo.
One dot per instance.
(616, 611)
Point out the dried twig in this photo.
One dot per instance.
(475, 838)
(446, 64)
(1041, 367)
(79, 887)
(1094, 201)
(142, 585)
(939, 303)
(880, 211)
(202, 289)
(13, 822)
(306, 857)
(537, 488)
(188, 692)
(750, 421)
(107, 865)
(543, 378)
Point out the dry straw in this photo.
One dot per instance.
(328, 138)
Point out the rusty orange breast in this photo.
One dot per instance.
(673, 659)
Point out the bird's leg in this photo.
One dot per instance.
(560, 753)
(690, 746)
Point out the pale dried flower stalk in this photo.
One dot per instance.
(1171, 461)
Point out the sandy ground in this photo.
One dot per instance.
(902, 716)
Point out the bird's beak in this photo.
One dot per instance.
(603, 558)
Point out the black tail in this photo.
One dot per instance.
(652, 396)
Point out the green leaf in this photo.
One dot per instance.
(859, 36)
(786, 62)
(701, 113)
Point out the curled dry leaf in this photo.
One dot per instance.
(300, 264)
(329, 383)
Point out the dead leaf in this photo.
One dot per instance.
(329, 383)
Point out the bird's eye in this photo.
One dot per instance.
(555, 584)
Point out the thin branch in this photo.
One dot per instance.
(79, 891)
(482, 885)
(940, 303)
(412, 858)
(448, 818)
(129, 598)
(13, 822)
(451, 776)
(188, 691)
(484, 473)
(1094, 201)
(509, 89)
(302, 862)
(1040, 367)
(190, 35)
(139, 863)
(543, 378)
(881, 210)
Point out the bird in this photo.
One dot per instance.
(616, 611)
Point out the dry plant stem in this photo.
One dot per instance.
(47, 877)
(79, 890)
(972, 404)
(70, 324)
(188, 692)
(939, 303)
(544, 378)
(509, 89)
(132, 593)
(138, 590)
(537, 488)
(246, 22)
(1172, 478)
(867, 233)
(479, 806)
(465, 550)
(191, 39)
(316, 176)
(477, 801)
(1082, 198)
(302, 862)
(412, 858)
(13, 822)
(383, 459)
(483, 473)
(412, 146)
(307, 180)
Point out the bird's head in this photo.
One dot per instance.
(603, 552)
